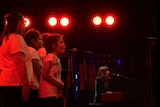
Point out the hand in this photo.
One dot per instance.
(25, 93)
(109, 92)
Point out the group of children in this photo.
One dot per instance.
(30, 67)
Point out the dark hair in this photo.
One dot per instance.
(45, 35)
(31, 34)
(50, 40)
(10, 24)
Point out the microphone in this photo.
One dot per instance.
(75, 50)
(118, 75)
(114, 74)
(124, 77)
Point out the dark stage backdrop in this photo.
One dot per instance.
(133, 40)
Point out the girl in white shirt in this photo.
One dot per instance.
(51, 81)
(15, 63)
(34, 41)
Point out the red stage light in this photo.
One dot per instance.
(52, 21)
(27, 21)
(97, 20)
(64, 21)
(110, 20)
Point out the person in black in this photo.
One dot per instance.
(101, 83)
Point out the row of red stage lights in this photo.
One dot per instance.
(52, 21)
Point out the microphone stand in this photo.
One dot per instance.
(124, 77)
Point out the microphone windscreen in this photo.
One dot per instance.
(74, 49)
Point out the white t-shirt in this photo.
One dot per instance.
(8, 75)
(47, 89)
(42, 52)
(34, 80)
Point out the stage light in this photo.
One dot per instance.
(52, 21)
(97, 20)
(110, 20)
(64, 21)
(27, 21)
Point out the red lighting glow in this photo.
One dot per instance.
(110, 20)
(52, 21)
(97, 20)
(64, 21)
(27, 22)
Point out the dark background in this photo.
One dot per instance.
(136, 19)
(133, 39)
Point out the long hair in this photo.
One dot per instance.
(104, 79)
(101, 71)
(10, 24)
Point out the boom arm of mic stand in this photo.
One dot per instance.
(127, 78)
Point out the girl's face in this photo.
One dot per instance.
(107, 74)
(61, 47)
(38, 42)
(21, 26)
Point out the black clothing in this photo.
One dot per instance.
(101, 86)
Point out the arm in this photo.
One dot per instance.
(98, 87)
(19, 60)
(36, 67)
(45, 74)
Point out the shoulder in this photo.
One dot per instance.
(15, 35)
(98, 79)
(51, 55)
(32, 49)
(16, 38)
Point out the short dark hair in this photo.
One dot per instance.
(50, 40)
(31, 34)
